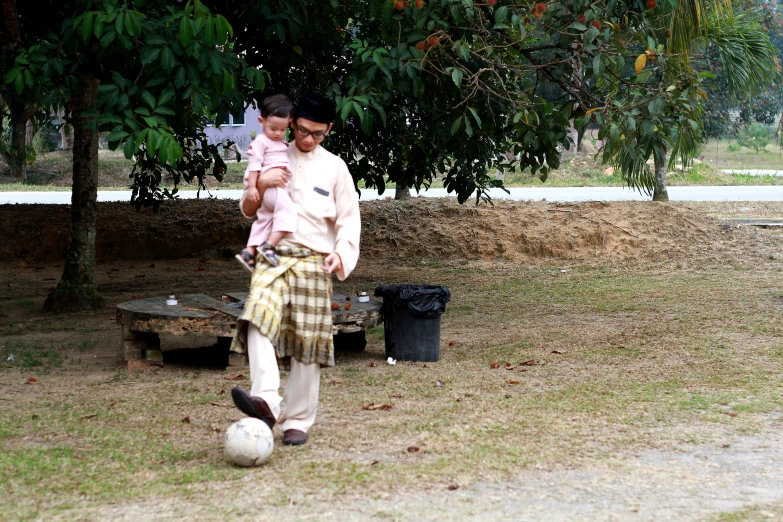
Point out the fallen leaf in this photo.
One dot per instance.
(152, 265)
(115, 270)
(459, 399)
(141, 275)
(23, 264)
(335, 306)
(438, 384)
(453, 487)
(494, 365)
(424, 365)
(200, 269)
(396, 396)
(229, 277)
(35, 417)
(513, 381)
(347, 306)
(186, 420)
(90, 416)
(112, 405)
(508, 364)
(222, 391)
(239, 377)
(136, 297)
(213, 403)
(372, 365)
(413, 449)
(32, 380)
(510, 367)
(374, 462)
(531, 362)
(374, 407)
(452, 343)
(559, 352)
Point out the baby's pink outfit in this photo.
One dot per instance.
(277, 212)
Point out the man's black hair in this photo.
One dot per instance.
(276, 105)
(315, 107)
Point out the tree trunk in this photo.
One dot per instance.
(17, 156)
(580, 134)
(659, 192)
(402, 192)
(77, 290)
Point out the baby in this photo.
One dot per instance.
(276, 215)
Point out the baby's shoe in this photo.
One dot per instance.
(269, 253)
(247, 259)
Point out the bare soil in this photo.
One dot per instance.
(423, 228)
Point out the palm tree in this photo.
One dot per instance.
(746, 52)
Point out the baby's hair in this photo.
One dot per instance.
(277, 105)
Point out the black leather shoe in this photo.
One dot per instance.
(294, 437)
(252, 406)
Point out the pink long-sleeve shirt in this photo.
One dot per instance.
(327, 206)
(265, 153)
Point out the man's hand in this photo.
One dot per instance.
(276, 177)
(252, 194)
(332, 263)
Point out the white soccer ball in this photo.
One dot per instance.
(249, 442)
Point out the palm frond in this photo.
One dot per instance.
(747, 54)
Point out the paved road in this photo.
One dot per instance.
(744, 193)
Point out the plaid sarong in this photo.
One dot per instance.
(291, 305)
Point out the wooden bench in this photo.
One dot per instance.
(143, 320)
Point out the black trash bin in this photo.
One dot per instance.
(411, 320)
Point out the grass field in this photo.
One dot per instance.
(574, 172)
(552, 366)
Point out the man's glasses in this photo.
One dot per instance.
(317, 136)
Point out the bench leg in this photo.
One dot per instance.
(141, 346)
(235, 360)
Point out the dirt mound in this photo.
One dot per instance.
(527, 232)
(407, 232)
(180, 229)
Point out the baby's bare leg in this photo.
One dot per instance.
(275, 237)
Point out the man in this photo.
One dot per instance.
(287, 314)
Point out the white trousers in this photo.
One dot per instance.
(300, 399)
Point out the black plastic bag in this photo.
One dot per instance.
(421, 300)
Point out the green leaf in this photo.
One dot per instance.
(209, 32)
(162, 109)
(167, 58)
(475, 116)
(149, 54)
(150, 121)
(468, 128)
(117, 135)
(87, 25)
(179, 78)
(19, 83)
(185, 32)
(456, 76)
(501, 14)
(298, 50)
(455, 125)
(346, 110)
(228, 81)
(358, 109)
(107, 39)
(148, 99)
(98, 29)
(118, 24)
(129, 149)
